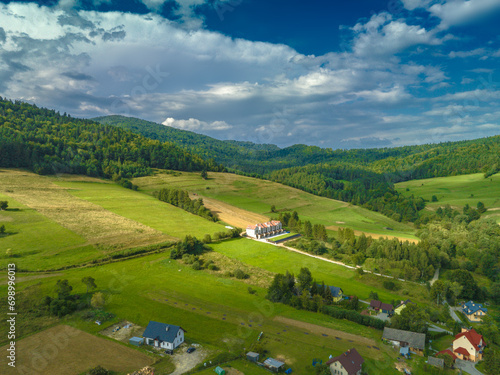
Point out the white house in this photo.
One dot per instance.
(262, 230)
(162, 335)
(469, 345)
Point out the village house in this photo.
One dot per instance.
(401, 306)
(474, 311)
(336, 292)
(348, 363)
(414, 341)
(262, 230)
(162, 335)
(469, 345)
(378, 306)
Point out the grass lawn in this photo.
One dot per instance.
(279, 260)
(142, 208)
(258, 195)
(286, 235)
(458, 191)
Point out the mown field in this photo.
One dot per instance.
(257, 196)
(458, 191)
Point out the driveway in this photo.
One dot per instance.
(383, 316)
(435, 328)
(435, 277)
(184, 361)
(453, 315)
(467, 366)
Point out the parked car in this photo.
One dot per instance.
(191, 349)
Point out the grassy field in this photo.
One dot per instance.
(142, 208)
(277, 259)
(66, 350)
(218, 311)
(257, 196)
(243, 366)
(458, 191)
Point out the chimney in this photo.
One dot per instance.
(166, 329)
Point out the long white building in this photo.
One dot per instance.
(262, 230)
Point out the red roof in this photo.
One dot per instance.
(377, 305)
(474, 338)
(447, 351)
(462, 351)
(264, 225)
(350, 360)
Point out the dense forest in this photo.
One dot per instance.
(48, 142)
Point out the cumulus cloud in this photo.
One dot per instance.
(193, 124)
(458, 12)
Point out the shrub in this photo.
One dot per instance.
(239, 274)
(196, 265)
(99, 370)
(251, 291)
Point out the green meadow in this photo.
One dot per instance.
(143, 208)
(258, 195)
(217, 312)
(278, 259)
(37, 242)
(458, 191)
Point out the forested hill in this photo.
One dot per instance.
(233, 154)
(47, 142)
(397, 163)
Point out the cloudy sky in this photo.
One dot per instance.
(336, 73)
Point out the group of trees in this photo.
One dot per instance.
(180, 198)
(303, 292)
(294, 223)
(189, 245)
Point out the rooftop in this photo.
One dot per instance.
(351, 361)
(414, 340)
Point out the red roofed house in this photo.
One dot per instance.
(382, 307)
(264, 229)
(469, 345)
(348, 363)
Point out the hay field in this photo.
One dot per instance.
(69, 351)
(98, 226)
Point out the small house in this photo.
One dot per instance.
(474, 311)
(348, 363)
(469, 345)
(273, 364)
(253, 357)
(137, 341)
(162, 335)
(336, 292)
(414, 341)
(378, 306)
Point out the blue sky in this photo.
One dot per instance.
(340, 74)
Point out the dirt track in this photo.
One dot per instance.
(319, 330)
(234, 216)
(375, 235)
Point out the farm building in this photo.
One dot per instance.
(273, 364)
(137, 341)
(468, 345)
(253, 357)
(348, 363)
(163, 335)
(382, 307)
(474, 311)
(262, 230)
(415, 341)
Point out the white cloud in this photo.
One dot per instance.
(382, 36)
(193, 124)
(457, 12)
(414, 4)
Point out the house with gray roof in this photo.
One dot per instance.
(162, 335)
(415, 341)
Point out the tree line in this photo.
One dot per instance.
(180, 198)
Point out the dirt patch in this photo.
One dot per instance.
(319, 330)
(232, 371)
(67, 350)
(374, 235)
(123, 331)
(234, 216)
(402, 366)
(184, 361)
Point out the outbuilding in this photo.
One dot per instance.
(137, 341)
(253, 357)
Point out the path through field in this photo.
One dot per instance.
(319, 330)
(232, 215)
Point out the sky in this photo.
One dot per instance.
(336, 73)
